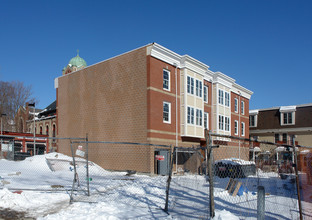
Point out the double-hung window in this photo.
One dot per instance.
(190, 115)
(227, 123)
(221, 122)
(288, 118)
(242, 107)
(288, 115)
(220, 97)
(243, 129)
(236, 105)
(205, 94)
(190, 85)
(285, 138)
(167, 112)
(236, 127)
(199, 117)
(227, 99)
(166, 80)
(252, 120)
(199, 88)
(206, 120)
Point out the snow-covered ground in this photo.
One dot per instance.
(41, 187)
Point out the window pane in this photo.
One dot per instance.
(205, 93)
(242, 107)
(165, 79)
(276, 138)
(235, 105)
(235, 127)
(166, 112)
(290, 118)
(192, 86)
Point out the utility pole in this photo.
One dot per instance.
(2, 114)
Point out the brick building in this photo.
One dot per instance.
(289, 125)
(45, 123)
(150, 95)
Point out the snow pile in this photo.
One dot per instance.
(117, 196)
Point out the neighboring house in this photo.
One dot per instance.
(288, 125)
(45, 123)
(149, 95)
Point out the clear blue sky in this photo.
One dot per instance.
(266, 45)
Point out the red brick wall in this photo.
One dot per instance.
(238, 116)
(156, 95)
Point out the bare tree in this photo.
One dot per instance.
(13, 96)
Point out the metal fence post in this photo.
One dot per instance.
(261, 203)
(87, 166)
(297, 181)
(210, 171)
(75, 172)
(169, 177)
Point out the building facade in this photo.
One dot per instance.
(285, 125)
(150, 95)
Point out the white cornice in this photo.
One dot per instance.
(291, 108)
(253, 112)
(164, 54)
(223, 79)
(280, 130)
(193, 64)
(277, 108)
(238, 89)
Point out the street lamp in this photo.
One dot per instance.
(33, 105)
(2, 114)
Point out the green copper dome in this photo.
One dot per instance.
(77, 61)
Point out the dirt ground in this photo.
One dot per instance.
(8, 214)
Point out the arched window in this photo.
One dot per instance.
(40, 129)
(47, 130)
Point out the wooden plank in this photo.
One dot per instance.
(232, 187)
(229, 184)
(239, 184)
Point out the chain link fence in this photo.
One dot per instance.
(248, 178)
(227, 175)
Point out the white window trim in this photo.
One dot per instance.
(256, 121)
(235, 105)
(220, 91)
(192, 92)
(293, 115)
(229, 123)
(169, 113)
(243, 128)
(236, 128)
(221, 123)
(198, 88)
(169, 80)
(191, 108)
(229, 99)
(205, 93)
(197, 119)
(242, 108)
(206, 115)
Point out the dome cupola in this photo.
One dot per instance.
(75, 63)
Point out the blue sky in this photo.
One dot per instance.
(265, 45)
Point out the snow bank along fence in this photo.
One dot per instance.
(232, 173)
(117, 171)
(95, 171)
